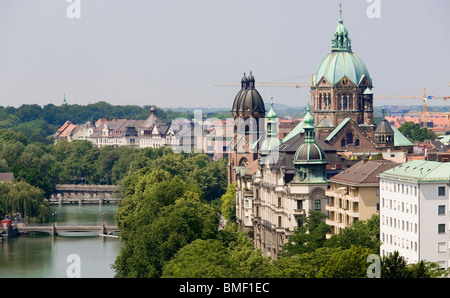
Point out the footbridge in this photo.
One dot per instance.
(83, 194)
(55, 228)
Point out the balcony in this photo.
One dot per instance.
(299, 212)
(354, 199)
(331, 193)
(330, 222)
(279, 209)
(330, 207)
(248, 193)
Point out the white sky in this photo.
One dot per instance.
(171, 52)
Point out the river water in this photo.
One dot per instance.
(82, 255)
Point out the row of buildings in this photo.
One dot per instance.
(330, 162)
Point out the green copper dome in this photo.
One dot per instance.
(341, 62)
(309, 152)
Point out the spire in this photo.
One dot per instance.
(309, 126)
(244, 82)
(272, 120)
(341, 41)
(251, 81)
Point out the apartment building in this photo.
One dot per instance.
(414, 214)
(353, 194)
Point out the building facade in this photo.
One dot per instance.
(354, 195)
(414, 214)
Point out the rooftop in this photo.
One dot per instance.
(419, 171)
(363, 173)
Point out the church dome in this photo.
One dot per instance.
(337, 65)
(309, 152)
(248, 101)
(342, 62)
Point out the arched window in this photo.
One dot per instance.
(243, 162)
(349, 137)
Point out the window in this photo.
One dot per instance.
(279, 221)
(441, 209)
(441, 191)
(317, 205)
(299, 204)
(299, 222)
(442, 247)
(441, 228)
(279, 201)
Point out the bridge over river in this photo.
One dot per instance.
(84, 193)
(55, 228)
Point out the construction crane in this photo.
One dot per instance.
(266, 84)
(424, 97)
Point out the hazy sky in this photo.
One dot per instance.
(171, 52)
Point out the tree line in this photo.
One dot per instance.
(39, 123)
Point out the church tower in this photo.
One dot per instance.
(342, 87)
(249, 126)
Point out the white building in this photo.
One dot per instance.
(414, 211)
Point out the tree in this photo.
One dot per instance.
(23, 198)
(310, 236)
(304, 265)
(349, 263)
(361, 233)
(228, 203)
(230, 256)
(153, 244)
(200, 259)
(394, 266)
(414, 132)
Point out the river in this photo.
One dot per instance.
(68, 254)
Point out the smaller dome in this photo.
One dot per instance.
(270, 144)
(310, 153)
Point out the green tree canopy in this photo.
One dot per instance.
(414, 132)
(349, 263)
(310, 236)
(231, 255)
(361, 233)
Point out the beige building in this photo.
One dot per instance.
(354, 195)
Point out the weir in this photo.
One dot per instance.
(84, 194)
